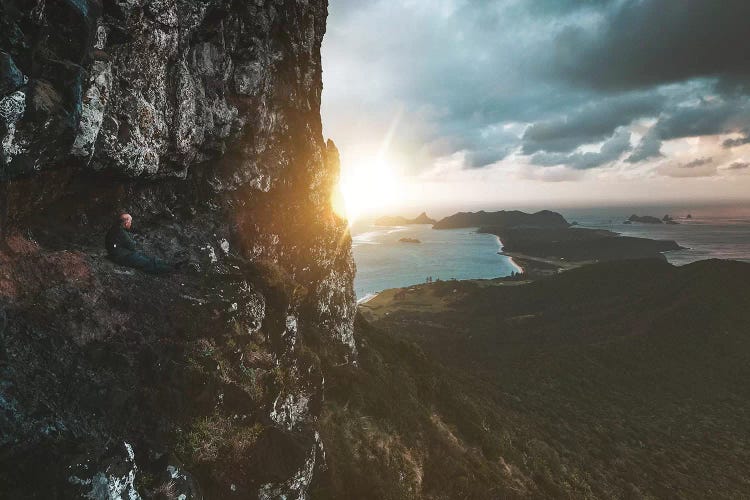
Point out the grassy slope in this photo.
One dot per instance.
(624, 380)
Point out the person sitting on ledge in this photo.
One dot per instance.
(122, 249)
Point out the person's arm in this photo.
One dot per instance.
(127, 241)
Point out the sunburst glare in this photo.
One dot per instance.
(366, 187)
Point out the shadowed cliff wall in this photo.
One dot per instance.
(202, 119)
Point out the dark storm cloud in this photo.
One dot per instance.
(703, 118)
(706, 118)
(486, 156)
(480, 150)
(557, 7)
(650, 42)
(649, 147)
(611, 150)
(738, 165)
(590, 124)
(698, 162)
(740, 141)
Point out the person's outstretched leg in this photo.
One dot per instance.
(145, 263)
(159, 266)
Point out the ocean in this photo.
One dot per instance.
(704, 237)
(384, 262)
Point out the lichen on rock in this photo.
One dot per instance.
(115, 482)
(12, 109)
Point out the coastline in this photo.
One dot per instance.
(515, 264)
(383, 262)
(367, 298)
(566, 248)
(535, 267)
(439, 296)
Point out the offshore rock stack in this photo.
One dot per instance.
(202, 119)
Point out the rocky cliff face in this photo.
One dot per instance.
(200, 118)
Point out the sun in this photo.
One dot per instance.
(366, 187)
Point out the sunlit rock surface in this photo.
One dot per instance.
(200, 118)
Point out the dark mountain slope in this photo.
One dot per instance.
(617, 380)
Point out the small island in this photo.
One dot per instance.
(403, 221)
(409, 240)
(643, 219)
(668, 219)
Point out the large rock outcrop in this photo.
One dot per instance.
(202, 119)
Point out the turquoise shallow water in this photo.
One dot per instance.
(383, 262)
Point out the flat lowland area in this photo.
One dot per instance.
(541, 266)
(427, 298)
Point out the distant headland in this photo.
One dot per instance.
(403, 221)
(503, 218)
(545, 250)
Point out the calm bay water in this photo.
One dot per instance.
(385, 262)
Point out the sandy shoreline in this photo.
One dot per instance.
(367, 298)
(515, 264)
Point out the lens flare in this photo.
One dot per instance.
(371, 184)
(366, 187)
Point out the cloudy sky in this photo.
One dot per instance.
(530, 102)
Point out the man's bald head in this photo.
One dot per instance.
(126, 221)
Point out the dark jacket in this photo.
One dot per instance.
(118, 242)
